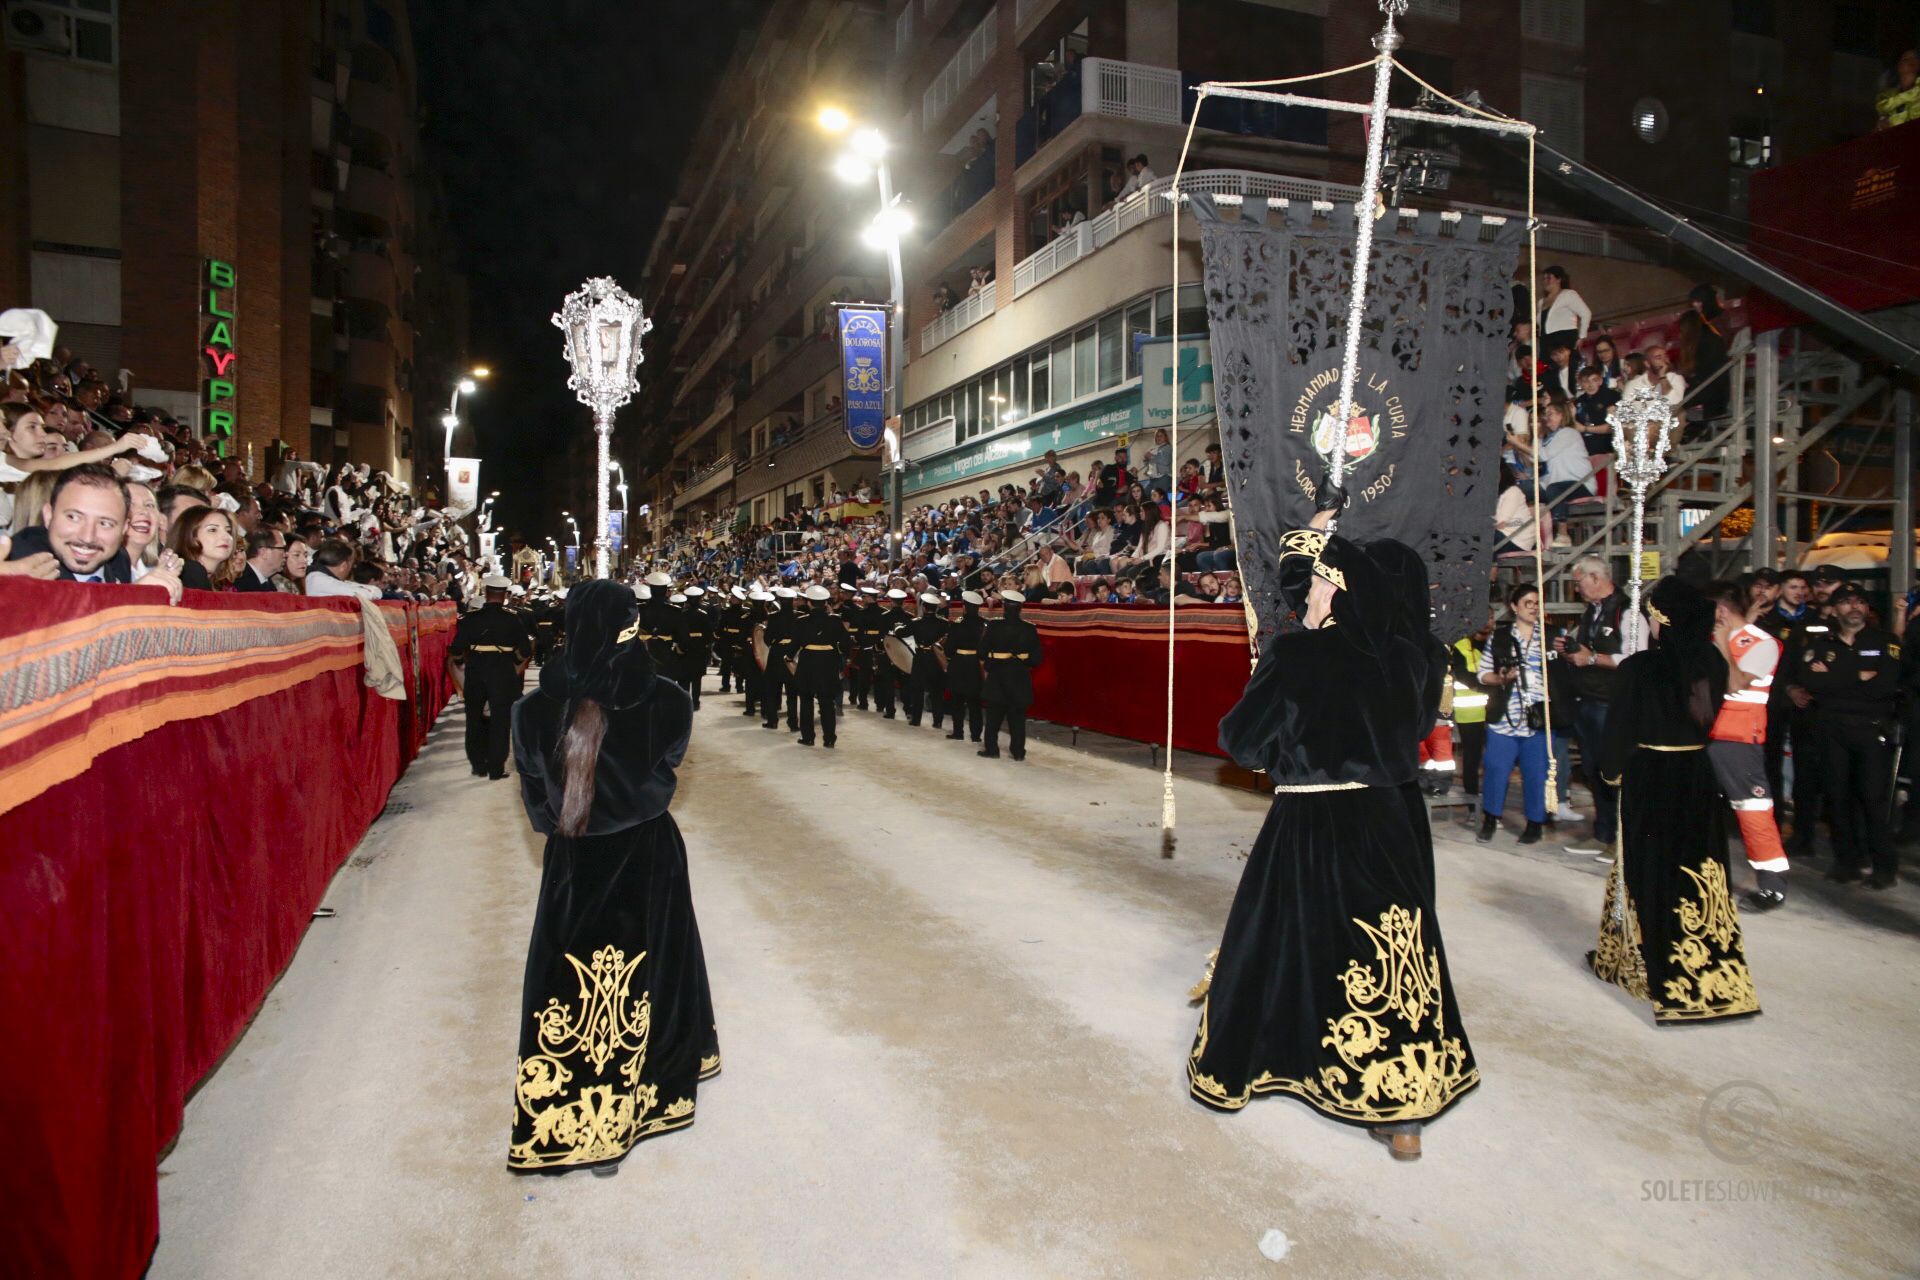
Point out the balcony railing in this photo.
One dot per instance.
(1154, 95)
(704, 481)
(722, 342)
(966, 63)
(1231, 186)
(963, 315)
(1084, 238)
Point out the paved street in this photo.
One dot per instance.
(952, 1003)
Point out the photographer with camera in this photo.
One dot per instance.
(1513, 671)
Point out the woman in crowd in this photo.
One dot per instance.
(1513, 672)
(292, 578)
(1516, 519)
(1669, 932)
(1157, 467)
(616, 1027)
(146, 532)
(30, 498)
(203, 538)
(1330, 983)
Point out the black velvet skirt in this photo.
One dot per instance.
(1331, 981)
(616, 1027)
(1669, 932)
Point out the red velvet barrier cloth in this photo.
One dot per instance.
(1106, 670)
(152, 898)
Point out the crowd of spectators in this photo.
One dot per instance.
(1117, 532)
(1579, 375)
(96, 487)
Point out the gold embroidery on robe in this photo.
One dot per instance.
(1715, 981)
(1618, 958)
(1387, 1077)
(606, 1026)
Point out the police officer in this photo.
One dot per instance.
(778, 684)
(1012, 651)
(926, 683)
(1851, 675)
(964, 678)
(487, 660)
(699, 641)
(821, 644)
(886, 676)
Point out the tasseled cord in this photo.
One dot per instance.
(1167, 838)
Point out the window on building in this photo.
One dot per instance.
(1558, 107)
(1062, 364)
(1113, 359)
(1085, 362)
(92, 29)
(1562, 22)
(1649, 119)
(1139, 324)
(1042, 379)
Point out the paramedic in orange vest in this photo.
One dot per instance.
(1737, 745)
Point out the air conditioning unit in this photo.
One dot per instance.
(38, 28)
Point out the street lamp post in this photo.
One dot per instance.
(451, 418)
(866, 156)
(604, 324)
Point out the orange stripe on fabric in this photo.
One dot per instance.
(39, 773)
(33, 717)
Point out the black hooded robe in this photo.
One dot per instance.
(1331, 983)
(1669, 931)
(617, 1024)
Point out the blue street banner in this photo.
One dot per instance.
(863, 364)
(617, 531)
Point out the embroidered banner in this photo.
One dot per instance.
(1424, 439)
(863, 364)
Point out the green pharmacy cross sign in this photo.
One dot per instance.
(216, 317)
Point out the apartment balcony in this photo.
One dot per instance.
(721, 344)
(1154, 95)
(714, 292)
(962, 316)
(714, 475)
(371, 190)
(821, 443)
(369, 276)
(722, 410)
(1230, 187)
(383, 110)
(370, 363)
(799, 369)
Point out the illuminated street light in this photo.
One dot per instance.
(604, 325)
(867, 154)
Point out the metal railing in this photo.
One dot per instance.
(1130, 90)
(967, 62)
(720, 345)
(962, 315)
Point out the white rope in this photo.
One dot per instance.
(1167, 812)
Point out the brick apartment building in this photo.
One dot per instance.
(220, 197)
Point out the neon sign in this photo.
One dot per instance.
(217, 319)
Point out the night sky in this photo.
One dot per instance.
(559, 130)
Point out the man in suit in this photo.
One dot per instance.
(83, 525)
(266, 556)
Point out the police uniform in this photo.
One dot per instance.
(1856, 692)
(820, 646)
(1011, 651)
(926, 683)
(494, 643)
(964, 678)
(863, 623)
(726, 639)
(1469, 711)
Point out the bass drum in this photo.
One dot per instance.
(900, 652)
(760, 645)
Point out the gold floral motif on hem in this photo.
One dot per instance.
(605, 1027)
(1386, 1077)
(1713, 981)
(1618, 958)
